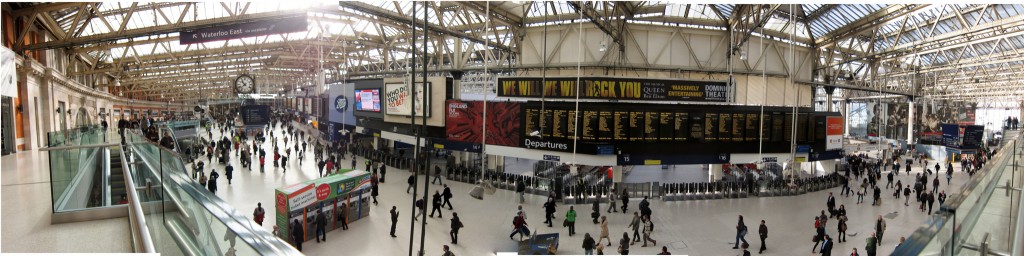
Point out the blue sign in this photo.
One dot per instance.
(256, 28)
(605, 149)
(552, 158)
(803, 148)
(951, 135)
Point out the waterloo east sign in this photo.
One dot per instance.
(613, 88)
(291, 24)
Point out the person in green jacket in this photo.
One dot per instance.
(570, 219)
(871, 243)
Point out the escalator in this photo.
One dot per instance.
(116, 179)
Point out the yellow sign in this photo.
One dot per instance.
(652, 162)
(438, 146)
(801, 159)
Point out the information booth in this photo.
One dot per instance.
(348, 188)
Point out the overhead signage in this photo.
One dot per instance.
(552, 158)
(398, 99)
(255, 114)
(972, 136)
(286, 25)
(535, 143)
(341, 103)
(951, 135)
(613, 88)
(834, 132)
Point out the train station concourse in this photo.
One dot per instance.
(511, 128)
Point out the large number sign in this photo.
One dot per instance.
(464, 122)
(613, 88)
(398, 99)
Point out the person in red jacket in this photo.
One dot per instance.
(259, 214)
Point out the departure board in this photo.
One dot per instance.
(787, 130)
(711, 127)
(559, 123)
(724, 127)
(666, 126)
(738, 126)
(652, 124)
(801, 128)
(588, 125)
(604, 125)
(766, 128)
(752, 127)
(778, 125)
(532, 120)
(697, 128)
(620, 132)
(681, 126)
(636, 126)
(545, 123)
(571, 121)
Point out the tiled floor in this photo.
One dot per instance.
(26, 212)
(686, 227)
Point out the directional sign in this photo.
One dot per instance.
(256, 28)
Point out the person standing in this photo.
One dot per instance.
(878, 196)
(880, 229)
(343, 216)
(447, 194)
(259, 214)
(456, 225)
(212, 183)
(394, 219)
(549, 211)
(436, 204)
(762, 232)
(635, 225)
(931, 201)
(570, 219)
(297, 234)
(624, 244)
(831, 204)
(321, 225)
(906, 196)
(842, 224)
(604, 231)
(596, 209)
(521, 190)
(437, 175)
(935, 184)
(588, 244)
(741, 233)
(649, 228)
(227, 172)
(383, 171)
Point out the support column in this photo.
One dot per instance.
(846, 119)
(829, 91)
(617, 174)
(715, 172)
(492, 162)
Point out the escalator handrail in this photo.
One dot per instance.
(142, 240)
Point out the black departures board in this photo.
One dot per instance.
(640, 123)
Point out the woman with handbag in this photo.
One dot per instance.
(741, 232)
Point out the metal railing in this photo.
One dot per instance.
(958, 224)
(141, 240)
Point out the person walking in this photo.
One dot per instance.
(877, 196)
(519, 226)
(570, 220)
(906, 196)
(259, 214)
(227, 172)
(436, 204)
(625, 200)
(880, 229)
(831, 204)
(411, 181)
(826, 247)
(447, 195)
(611, 202)
(872, 244)
(456, 225)
(343, 216)
(931, 201)
(889, 177)
(648, 229)
(588, 244)
(624, 244)
(321, 225)
(212, 183)
(375, 192)
(549, 211)
(741, 233)
(762, 232)
(437, 175)
(635, 225)
(604, 231)
(819, 228)
(394, 219)
(842, 224)
(521, 190)
(447, 251)
(935, 184)
(596, 209)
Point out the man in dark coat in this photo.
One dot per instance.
(762, 232)
(447, 194)
(826, 247)
(549, 211)
(394, 219)
(456, 225)
(297, 234)
(831, 203)
(321, 225)
(436, 204)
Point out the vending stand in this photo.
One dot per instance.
(348, 188)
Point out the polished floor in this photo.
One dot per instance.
(685, 227)
(26, 210)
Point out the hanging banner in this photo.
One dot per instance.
(286, 25)
(834, 132)
(398, 99)
(613, 88)
(464, 122)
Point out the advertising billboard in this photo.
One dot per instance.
(613, 88)
(465, 122)
(367, 100)
(398, 99)
(834, 132)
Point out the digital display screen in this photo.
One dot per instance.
(368, 100)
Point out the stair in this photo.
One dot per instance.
(117, 186)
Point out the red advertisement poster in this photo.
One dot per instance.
(464, 122)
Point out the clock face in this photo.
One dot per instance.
(245, 84)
